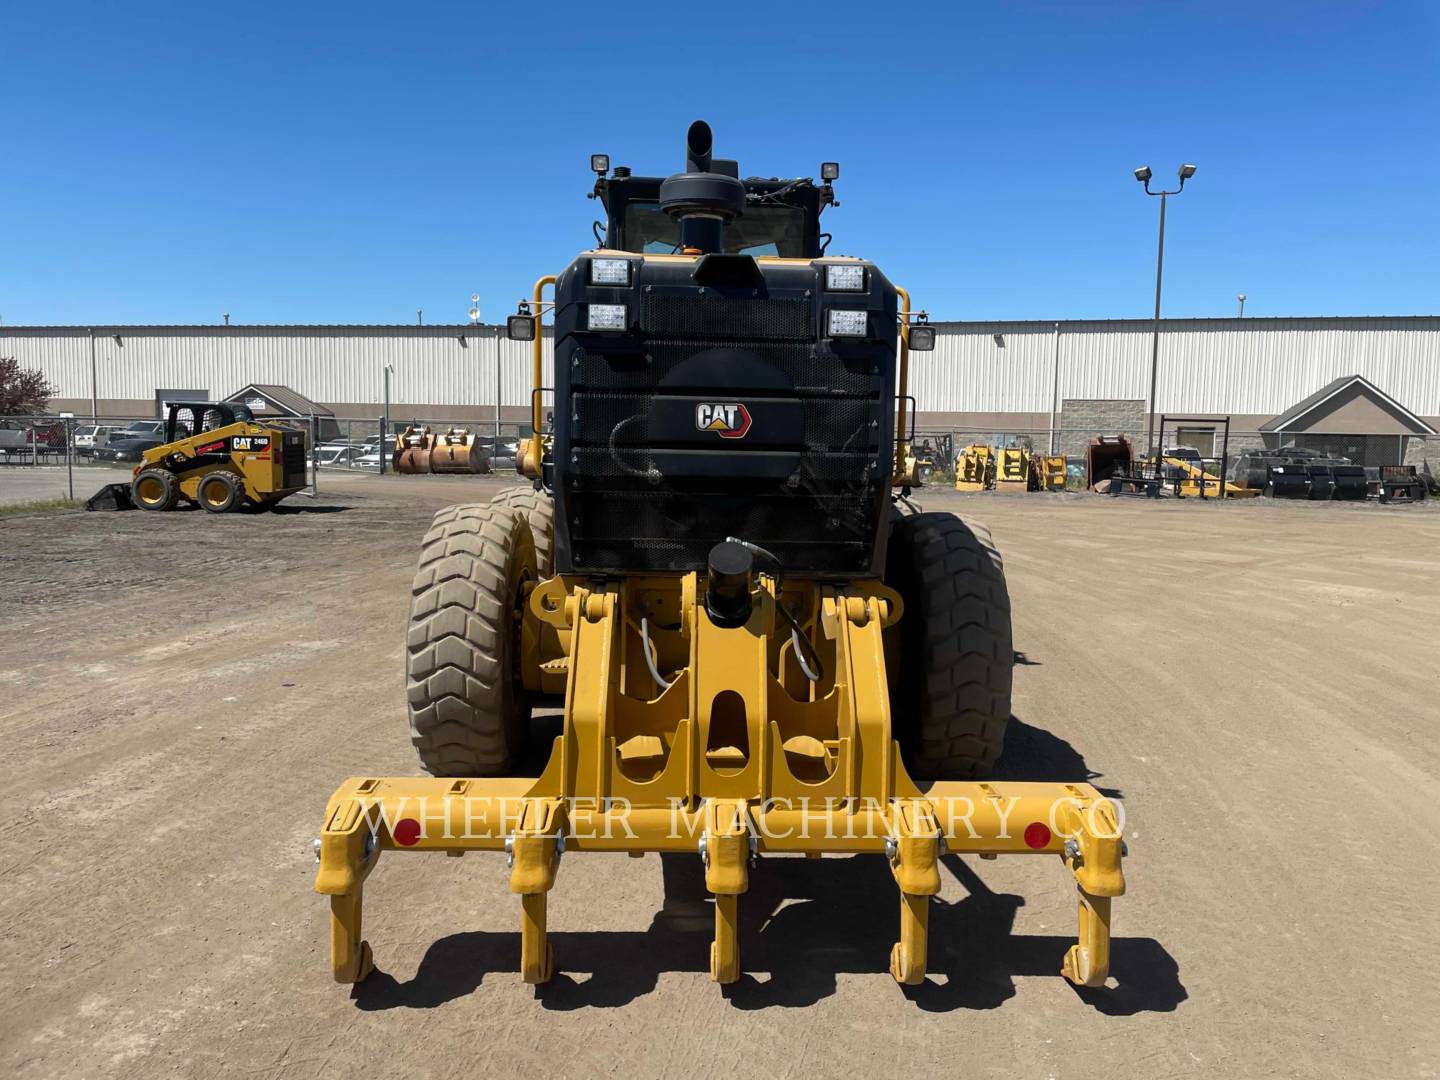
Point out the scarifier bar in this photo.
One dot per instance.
(735, 757)
(1074, 822)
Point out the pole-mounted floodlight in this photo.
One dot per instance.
(1143, 174)
(600, 164)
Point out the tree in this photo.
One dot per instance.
(22, 391)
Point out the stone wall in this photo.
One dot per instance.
(1081, 419)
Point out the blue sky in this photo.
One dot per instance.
(327, 162)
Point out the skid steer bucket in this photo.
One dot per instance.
(111, 497)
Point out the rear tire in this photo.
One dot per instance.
(539, 509)
(468, 709)
(219, 492)
(155, 489)
(951, 682)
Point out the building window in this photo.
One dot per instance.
(1201, 439)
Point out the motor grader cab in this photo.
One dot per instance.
(758, 648)
(217, 456)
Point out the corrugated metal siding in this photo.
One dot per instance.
(1250, 366)
(341, 364)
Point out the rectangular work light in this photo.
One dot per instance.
(606, 317)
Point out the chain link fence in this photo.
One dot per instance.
(338, 445)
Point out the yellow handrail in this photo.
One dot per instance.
(537, 378)
(901, 446)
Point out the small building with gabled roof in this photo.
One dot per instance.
(1349, 417)
(270, 401)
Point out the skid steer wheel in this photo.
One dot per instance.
(468, 709)
(219, 492)
(950, 697)
(539, 508)
(155, 489)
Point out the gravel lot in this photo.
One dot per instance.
(181, 693)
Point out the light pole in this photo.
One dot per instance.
(1241, 298)
(94, 386)
(1143, 175)
(385, 423)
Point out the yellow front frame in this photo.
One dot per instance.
(740, 756)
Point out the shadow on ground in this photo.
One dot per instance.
(1032, 753)
(803, 923)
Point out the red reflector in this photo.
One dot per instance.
(407, 832)
(1037, 835)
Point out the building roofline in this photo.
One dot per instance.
(120, 328)
(1282, 422)
(461, 328)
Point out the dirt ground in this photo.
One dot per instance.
(182, 692)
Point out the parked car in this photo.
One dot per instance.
(338, 455)
(120, 450)
(144, 429)
(90, 437)
(14, 437)
(18, 437)
(371, 458)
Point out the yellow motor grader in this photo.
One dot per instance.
(760, 649)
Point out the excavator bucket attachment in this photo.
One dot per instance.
(1105, 457)
(458, 451)
(413, 450)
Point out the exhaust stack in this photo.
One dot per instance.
(701, 200)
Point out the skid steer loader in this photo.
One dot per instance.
(759, 650)
(217, 456)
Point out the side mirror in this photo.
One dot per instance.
(520, 327)
(922, 338)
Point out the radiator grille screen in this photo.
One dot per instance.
(648, 488)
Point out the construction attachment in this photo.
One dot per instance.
(693, 736)
(1010, 469)
(456, 450)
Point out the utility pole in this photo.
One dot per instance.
(385, 422)
(1143, 174)
(94, 391)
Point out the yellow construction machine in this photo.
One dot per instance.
(759, 649)
(215, 455)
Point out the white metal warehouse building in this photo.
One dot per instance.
(1073, 378)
